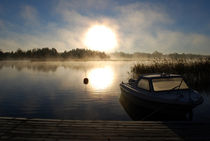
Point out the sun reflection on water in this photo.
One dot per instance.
(101, 78)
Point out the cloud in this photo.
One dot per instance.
(29, 15)
(170, 41)
(142, 28)
(87, 6)
(138, 22)
(139, 27)
(142, 14)
(13, 41)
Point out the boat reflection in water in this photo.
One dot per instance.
(101, 78)
(139, 112)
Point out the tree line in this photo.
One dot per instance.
(86, 53)
(53, 53)
(157, 54)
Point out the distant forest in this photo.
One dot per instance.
(47, 53)
(157, 54)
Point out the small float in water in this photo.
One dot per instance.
(165, 91)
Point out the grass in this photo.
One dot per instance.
(195, 72)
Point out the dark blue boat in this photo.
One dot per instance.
(168, 91)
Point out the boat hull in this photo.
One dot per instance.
(151, 104)
(137, 112)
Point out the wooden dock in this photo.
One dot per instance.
(95, 130)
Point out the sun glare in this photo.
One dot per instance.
(101, 78)
(100, 38)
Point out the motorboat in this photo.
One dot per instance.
(138, 112)
(161, 91)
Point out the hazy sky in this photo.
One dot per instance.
(167, 26)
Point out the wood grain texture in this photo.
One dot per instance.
(97, 130)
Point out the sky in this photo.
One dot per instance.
(168, 26)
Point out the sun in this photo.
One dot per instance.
(100, 38)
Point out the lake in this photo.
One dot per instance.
(55, 89)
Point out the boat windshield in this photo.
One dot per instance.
(166, 84)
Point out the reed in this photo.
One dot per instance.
(195, 72)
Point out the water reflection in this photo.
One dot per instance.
(44, 66)
(137, 112)
(101, 78)
(55, 89)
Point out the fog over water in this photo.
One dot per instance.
(55, 89)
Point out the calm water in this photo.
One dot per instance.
(56, 90)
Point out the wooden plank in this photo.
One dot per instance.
(47, 129)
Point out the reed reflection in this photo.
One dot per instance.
(101, 78)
